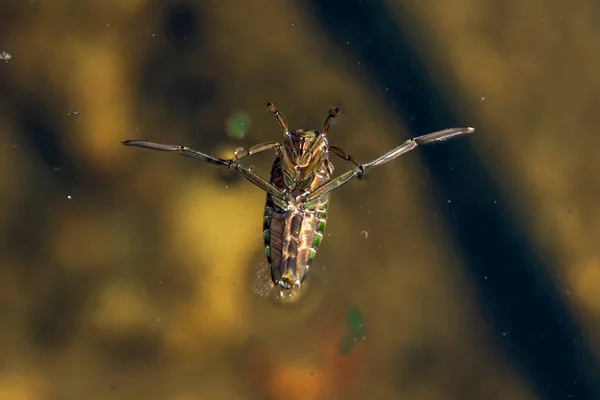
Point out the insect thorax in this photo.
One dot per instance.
(302, 158)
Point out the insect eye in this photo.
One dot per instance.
(317, 133)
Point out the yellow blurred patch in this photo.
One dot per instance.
(298, 382)
(83, 240)
(122, 306)
(216, 228)
(586, 286)
(101, 87)
(19, 387)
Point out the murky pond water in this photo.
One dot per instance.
(465, 270)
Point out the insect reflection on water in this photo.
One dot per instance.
(298, 191)
(356, 330)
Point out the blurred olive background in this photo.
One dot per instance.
(130, 274)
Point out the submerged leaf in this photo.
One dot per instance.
(347, 343)
(355, 323)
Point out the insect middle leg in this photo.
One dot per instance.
(246, 172)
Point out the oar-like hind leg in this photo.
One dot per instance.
(405, 147)
(252, 176)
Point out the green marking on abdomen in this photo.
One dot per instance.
(311, 254)
(321, 222)
(321, 225)
(317, 240)
(267, 233)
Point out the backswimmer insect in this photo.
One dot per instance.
(298, 191)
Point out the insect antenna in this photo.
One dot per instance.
(278, 116)
(332, 113)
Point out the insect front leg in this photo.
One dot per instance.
(342, 154)
(255, 149)
(246, 172)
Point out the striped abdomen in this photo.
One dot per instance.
(292, 239)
